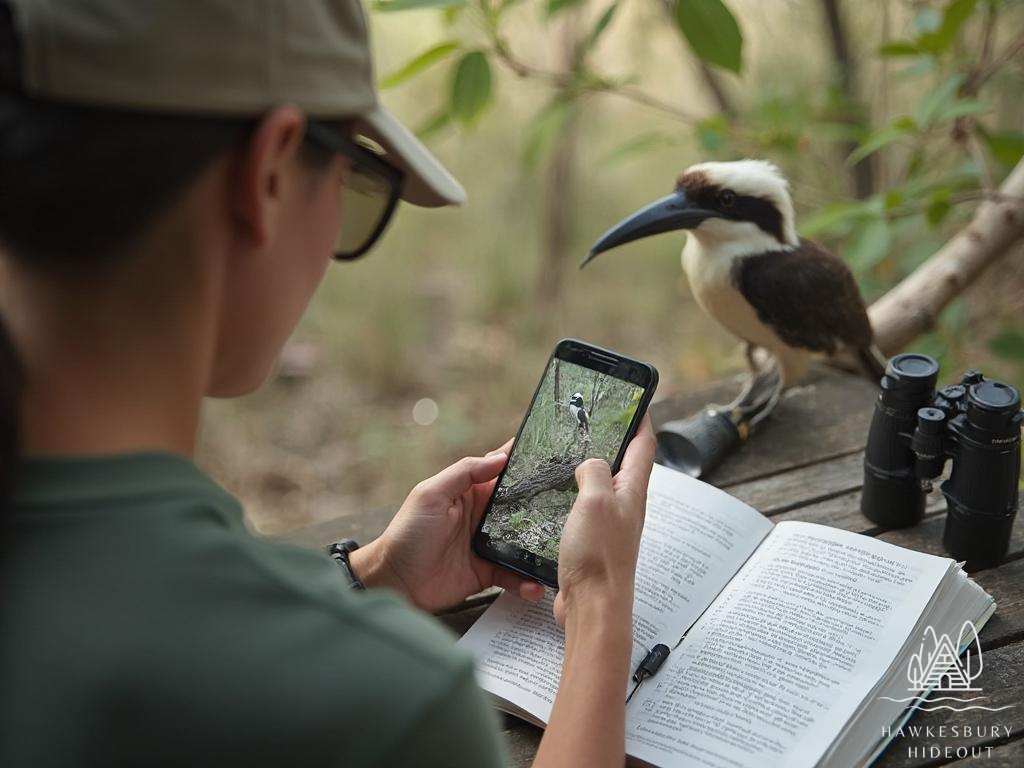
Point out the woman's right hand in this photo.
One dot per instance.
(601, 537)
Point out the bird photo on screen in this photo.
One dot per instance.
(750, 271)
(579, 413)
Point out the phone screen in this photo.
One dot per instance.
(577, 413)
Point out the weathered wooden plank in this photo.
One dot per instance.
(802, 486)
(1003, 583)
(843, 511)
(826, 417)
(521, 742)
(1002, 684)
(926, 536)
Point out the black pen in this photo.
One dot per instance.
(649, 666)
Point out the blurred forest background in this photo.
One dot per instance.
(538, 488)
(893, 119)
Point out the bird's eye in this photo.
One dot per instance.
(726, 198)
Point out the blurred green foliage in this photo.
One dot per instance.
(510, 93)
(883, 236)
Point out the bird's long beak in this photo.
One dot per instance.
(665, 215)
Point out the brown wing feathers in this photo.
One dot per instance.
(807, 296)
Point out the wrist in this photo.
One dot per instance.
(370, 565)
(605, 606)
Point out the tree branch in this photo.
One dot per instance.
(913, 307)
(568, 80)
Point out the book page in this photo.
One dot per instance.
(695, 539)
(773, 671)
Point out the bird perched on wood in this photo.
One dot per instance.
(750, 271)
(579, 413)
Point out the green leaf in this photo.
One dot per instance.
(435, 124)
(893, 198)
(900, 48)
(423, 61)
(712, 32)
(932, 104)
(868, 245)
(450, 15)
(554, 7)
(471, 87)
(939, 206)
(882, 138)
(386, 6)
(840, 218)
(595, 34)
(1006, 147)
(960, 108)
(1008, 343)
(956, 13)
(543, 132)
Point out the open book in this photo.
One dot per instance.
(791, 643)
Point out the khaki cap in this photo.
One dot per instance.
(221, 57)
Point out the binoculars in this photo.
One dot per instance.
(976, 425)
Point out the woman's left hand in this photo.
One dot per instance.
(426, 551)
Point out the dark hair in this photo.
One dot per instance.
(80, 185)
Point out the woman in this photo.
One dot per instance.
(171, 176)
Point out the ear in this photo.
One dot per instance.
(261, 171)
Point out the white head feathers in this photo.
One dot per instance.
(759, 178)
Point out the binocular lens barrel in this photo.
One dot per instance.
(914, 431)
(981, 541)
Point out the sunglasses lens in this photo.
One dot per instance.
(365, 198)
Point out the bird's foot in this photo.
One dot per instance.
(763, 410)
(741, 398)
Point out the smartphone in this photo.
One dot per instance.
(588, 404)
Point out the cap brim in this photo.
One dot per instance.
(427, 182)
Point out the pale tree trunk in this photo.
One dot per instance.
(862, 173)
(560, 189)
(913, 307)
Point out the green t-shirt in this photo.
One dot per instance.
(143, 625)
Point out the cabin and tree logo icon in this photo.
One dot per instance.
(938, 666)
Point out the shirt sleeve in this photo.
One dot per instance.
(458, 730)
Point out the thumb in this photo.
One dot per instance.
(594, 476)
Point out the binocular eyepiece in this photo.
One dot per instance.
(915, 429)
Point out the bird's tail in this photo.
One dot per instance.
(872, 361)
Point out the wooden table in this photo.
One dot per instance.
(805, 464)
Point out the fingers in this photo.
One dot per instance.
(506, 448)
(635, 473)
(594, 476)
(464, 474)
(525, 588)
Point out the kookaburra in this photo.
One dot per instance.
(579, 413)
(750, 271)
